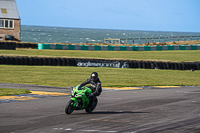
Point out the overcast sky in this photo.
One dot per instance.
(154, 15)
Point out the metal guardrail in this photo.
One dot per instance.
(149, 40)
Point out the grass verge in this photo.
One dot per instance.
(115, 77)
(9, 91)
(177, 55)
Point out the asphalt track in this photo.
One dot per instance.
(147, 110)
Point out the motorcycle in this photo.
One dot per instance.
(80, 101)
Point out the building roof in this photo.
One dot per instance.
(8, 9)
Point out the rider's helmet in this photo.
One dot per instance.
(94, 76)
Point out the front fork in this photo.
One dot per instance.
(75, 102)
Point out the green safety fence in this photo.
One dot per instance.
(118, 48)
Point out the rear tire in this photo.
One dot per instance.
(91, 106)
(69, 107)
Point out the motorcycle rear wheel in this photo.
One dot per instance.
(91, 106)
(69, 107)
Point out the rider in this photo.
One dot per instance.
(95, 85)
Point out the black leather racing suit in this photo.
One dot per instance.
(95, 86)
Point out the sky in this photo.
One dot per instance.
(149, 15)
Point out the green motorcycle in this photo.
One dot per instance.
(80, 101)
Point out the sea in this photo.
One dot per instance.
(43, 34)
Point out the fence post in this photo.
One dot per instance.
(197, 38)
(133, 40)
(146, 40)
(126, 41)
(139, 40)
(159, 39)
(178, 38)
(165, 39)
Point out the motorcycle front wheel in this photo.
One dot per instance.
(69, 107)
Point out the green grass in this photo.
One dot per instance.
(9, 91)
(71, 76)
(178, 55)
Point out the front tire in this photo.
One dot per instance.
(91, 106)
(69, 107)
